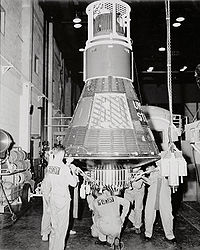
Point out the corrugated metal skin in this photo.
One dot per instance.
(109, 84)
(117, 143)
(75, 136)
(121, 139)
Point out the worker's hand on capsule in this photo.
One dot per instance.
(75, 170)
(69, 160)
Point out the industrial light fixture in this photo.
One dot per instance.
(76, 19)
(161, 49)
(150, 69)
(180, 19)
(176, 24)
(81, 50)
(77, 25)
(183, 69)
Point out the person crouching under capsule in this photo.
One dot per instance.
(107, 220)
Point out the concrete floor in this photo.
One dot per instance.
(24, 234)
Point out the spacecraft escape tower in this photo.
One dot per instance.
(109, 129)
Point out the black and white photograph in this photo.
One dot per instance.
(99, 124)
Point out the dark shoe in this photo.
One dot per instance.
(109, 244)
(147, 238)
(129, 229)
(99, 242)
(172, 241)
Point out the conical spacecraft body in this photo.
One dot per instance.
(109, 129)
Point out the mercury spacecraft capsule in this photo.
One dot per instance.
(108, 127)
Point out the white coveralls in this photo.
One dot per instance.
(58, 178)
(159, 198)
(107, 220)
(46, 219)
(136, 194)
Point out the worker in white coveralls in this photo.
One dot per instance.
(58, 178)
(159, 198)
(46, 219)
(107, 220)
(135, 194)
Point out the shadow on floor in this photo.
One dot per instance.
(24, 234)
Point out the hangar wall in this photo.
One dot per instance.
(35, 84)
